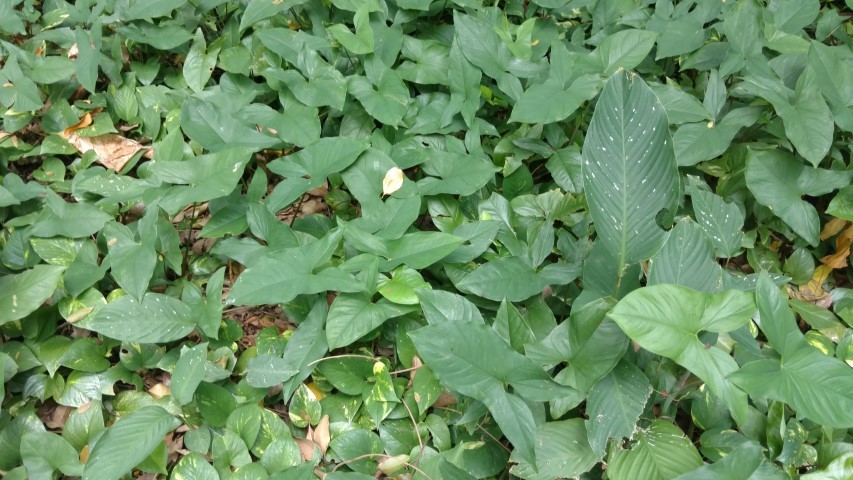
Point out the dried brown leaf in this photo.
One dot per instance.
(321, 435)
(112, 151)
(445, 399)
(306, 448)
(57, 417)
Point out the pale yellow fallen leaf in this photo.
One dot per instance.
(159, 391)
(393, 181)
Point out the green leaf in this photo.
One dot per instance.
(551, 102)
(480, 44)
(666, 320)
(215, 403)
(45, 452)
(741, 464)
(562, 451)
(778, 181)
(464, 81)
(358, 447)
(306, 347)
(681, 107)
(88, 57)
(72, 220)
(279, 275)
(439, 306)
(200, 62)
(808, 120)
(216, 128)
(629, 171)
(687, 259)
(513, 326)
(387, 101)
(814, 384)
(505, 278)
(308, 168)
(202, 178)
(194, 466)
(681, 35)
(419, 249)
(475, 361)
(831, 66)
(842, 205)
(614, 405)
(157, 318)
(660, 453)
(515, 419)
(721, 221)
(742, 27)
(188, 373)
(146, 10)
(21, 294)
(266, 371)
(455, 173)
(132, 263)
(360, 42)
(353, 316)
(625, 50)
(429, 61)
(258, 10)
(697, 142)
(791, 15)
(348, 375)
(110, 458)
(400, 288)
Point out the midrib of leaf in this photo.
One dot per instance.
(620, 270)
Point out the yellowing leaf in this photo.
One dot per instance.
(813, 291)
(83, 123)
(832, 227)
(393, 181)
(842, 250)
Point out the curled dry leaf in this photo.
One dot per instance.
(393, 181)
(416, 364)
(57, 417)
(159, 391)
(112, 151)
(321, 436)
(12, 138)
(392, 465)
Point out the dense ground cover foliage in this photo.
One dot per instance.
(426, 239)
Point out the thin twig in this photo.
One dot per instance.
(348, 355)
(371, 455)
(417, 432)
